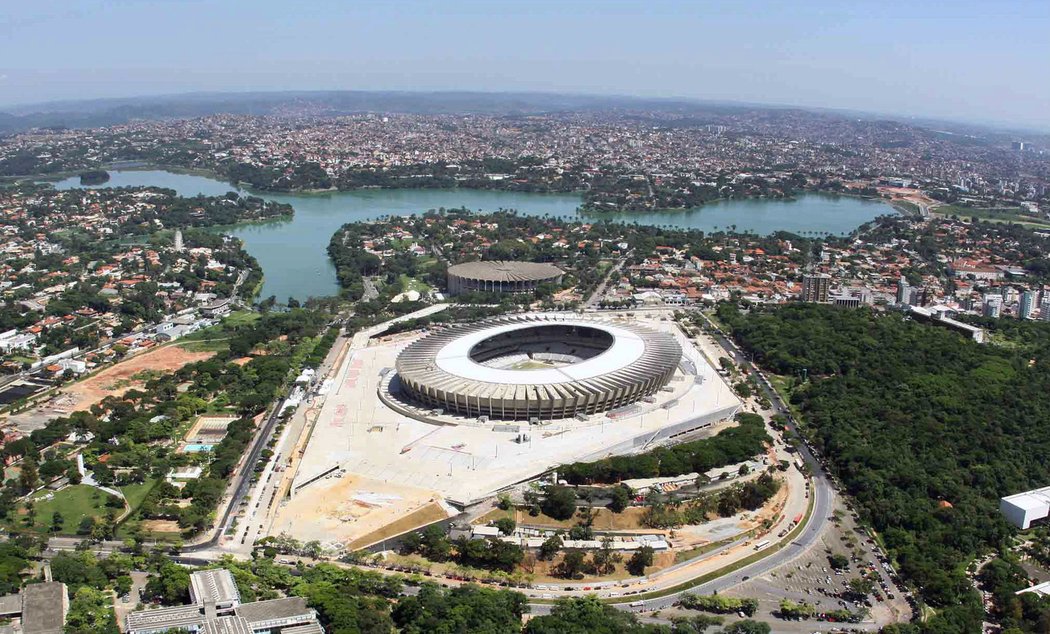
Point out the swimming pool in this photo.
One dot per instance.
(196, 448)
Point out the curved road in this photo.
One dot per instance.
(822, 490)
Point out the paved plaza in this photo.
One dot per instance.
(358, 439)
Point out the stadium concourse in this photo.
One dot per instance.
(371, 461)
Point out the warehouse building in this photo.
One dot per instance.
(1021, 509)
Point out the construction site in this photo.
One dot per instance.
(368, 466)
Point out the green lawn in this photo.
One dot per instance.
(136, 493)
(413, 284)
(995, 214)
(905, 206)
(219, 344)
(73, 502)
(241, 318)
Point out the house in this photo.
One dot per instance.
(217, 308)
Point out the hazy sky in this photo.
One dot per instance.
(983, 61)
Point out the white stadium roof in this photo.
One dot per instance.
(626, 349)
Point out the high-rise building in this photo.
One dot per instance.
(903, 292)
(815, 288)
(178, 239)
(1044, 307)
(1027, 306)
(993, 306)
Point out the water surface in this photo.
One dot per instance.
(293, 253)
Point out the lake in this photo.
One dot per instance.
(293, 253)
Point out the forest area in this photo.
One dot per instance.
(925, 429)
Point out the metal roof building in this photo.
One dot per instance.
(539, 366)
(1021, 509)
(500, 276)
(216, 586)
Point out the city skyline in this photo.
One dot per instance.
(890, 58)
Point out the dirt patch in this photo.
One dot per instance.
(160, 526)
(604, 520)
(128, 374)
(353, 509)
(113, 381)
(429, 514)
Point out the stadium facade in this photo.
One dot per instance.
(499, 276)
(538, 366)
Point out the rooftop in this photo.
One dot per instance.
(44, 608)
(1034, 499)
(227, 625)
(505, 271)
(214, 585)
(626, 349)
(274, 610)
(165, 618)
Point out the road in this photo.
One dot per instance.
(823, 492)
(243, 481)
(600, 289)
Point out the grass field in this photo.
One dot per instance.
(905, 206)
(241, 318)
(994, 214)
(136, 493)
(413, 284)
(74, 503)
(219, 344)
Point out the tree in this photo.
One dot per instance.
(469, 609)
(550, 547)
(640, 560)
(588, 615)
(621, 497)
(572, 565)
(559, 502)
(28, 477)
(56, 522)
(79, 569)
(170, 586)
(604, 559)
(91, 612)
(506, 525)
(838, 561)
(747, 626)
(695, 624)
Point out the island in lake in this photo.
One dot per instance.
(94, 177)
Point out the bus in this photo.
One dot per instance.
(762, 544)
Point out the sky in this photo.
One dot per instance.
(979, 61)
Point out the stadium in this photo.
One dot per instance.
(535, 367)
(499, 276)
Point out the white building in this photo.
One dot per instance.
(1021, 509)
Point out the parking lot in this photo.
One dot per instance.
(812, 579)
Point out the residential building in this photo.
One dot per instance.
(903, 292)
(815, 288)
(1027, 307)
